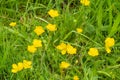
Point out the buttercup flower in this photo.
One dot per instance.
(12, 24)
(85, 2)
(51, 27)
(109, 42)
(27, 64)
(108, 49)
(39, 30)
(93, 52)
(79, 30)
(64, 65)
(31, 49)
(16, 68)
(53, 13)
(37, 43)
(75, 78)
(62, 47)
(66, 48)
(70, 49)
(20, 66)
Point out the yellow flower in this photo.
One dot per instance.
(20, 66)
(79, 30)
(37, 43)
(66, 48)
(108, 49)
(70, 49)
(31, 49)
(27, 64)
(109, 42)
(12, 24)
(85, 2)
(51, 27)
(64, 65)
(93, 52)
(39, 30)
(16, 68)
(62, 47)
(75, 78)
(53, 13)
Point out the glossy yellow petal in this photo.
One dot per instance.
(51, 27)
(27, 64)
(37, 43)
(53, 13)
(12, 24)
(39, 30)
(31, 49)
(93, 52)
(64, 65)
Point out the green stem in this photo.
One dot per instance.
(116, 66)
(41, 19)
(81, 35)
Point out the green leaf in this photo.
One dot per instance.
(104, 73)
(114, 29)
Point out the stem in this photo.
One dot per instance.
(81, 35)
(41, 19)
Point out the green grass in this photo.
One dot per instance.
(99, 20)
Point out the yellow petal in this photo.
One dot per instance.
(20, 66)
(93, 52)
(39, 30)
(51, 27)
(53, 13)
(31, 48)
(63, 52)
(27, 64)
(14, 65)
(14, 71)
(64, 65)
(79, 30)
(37, 43)
(108, 50)
(12, 24)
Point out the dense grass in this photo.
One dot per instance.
(99, 20)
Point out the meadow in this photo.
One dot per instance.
(59, 39)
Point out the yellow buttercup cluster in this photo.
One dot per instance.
(66, 48)
(12, 24)
(93, 52)
(36, 43)
(20, 66)
(64, 65)
(109, 42)
(39, 31)
(53, 13)
(17, 67)
(85, 2)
